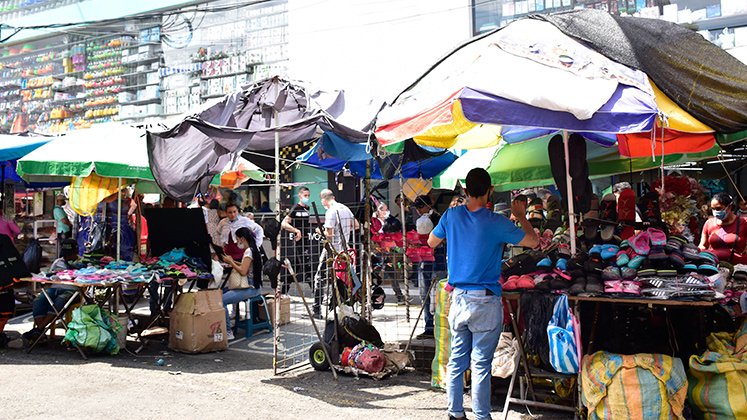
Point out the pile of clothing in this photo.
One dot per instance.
(92, 269)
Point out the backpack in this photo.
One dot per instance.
(32, 256)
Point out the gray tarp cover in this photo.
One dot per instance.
(700, 77)
(184, 158)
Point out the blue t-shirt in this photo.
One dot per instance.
(474, 246)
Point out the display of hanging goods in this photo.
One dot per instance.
(648, 207)
(561, 334)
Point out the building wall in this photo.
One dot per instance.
(371, 48)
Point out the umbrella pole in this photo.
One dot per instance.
(278, 253)
(119, 219)
(569, 191)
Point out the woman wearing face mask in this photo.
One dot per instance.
(242, 283)
(725, 234)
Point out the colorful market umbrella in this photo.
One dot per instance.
(110, 150)
(106, 151)
(333, 153)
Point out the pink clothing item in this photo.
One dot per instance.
(9, 228)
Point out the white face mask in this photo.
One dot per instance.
(241, 245)
(385, 215)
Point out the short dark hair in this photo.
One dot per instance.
(229, 205)
(214, 204)
(303, 189)
(725, 199)
(478, 182)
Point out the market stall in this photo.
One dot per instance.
(553, 110)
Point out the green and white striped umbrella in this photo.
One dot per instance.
(111, 150)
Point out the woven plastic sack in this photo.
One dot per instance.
(442, 334)
(504, 359)
(638, 386)
(718, 378)
(93, 328)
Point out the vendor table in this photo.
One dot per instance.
(111, 293)
(508, 298)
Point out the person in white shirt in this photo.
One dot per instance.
(339, 224)
(228, 227)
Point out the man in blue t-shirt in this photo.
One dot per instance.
(474, 246)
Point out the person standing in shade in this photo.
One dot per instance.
(475, 237)
(64, 226)
(296, 244)
(427, 219)
(339, 224)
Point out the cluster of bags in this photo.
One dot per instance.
(364, 356)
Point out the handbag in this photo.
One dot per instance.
(237, 281)
(561, 335)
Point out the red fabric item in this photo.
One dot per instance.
(411, 126)
(233, 250)
(675, 142)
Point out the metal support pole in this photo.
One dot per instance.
(404, 246)
(366, 307)
(119, 219)
(278, 253)
(569, 191)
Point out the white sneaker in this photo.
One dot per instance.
(229, 335)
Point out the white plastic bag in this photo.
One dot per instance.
(217, 270)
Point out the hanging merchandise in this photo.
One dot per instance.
(561, 332)
(87, 192)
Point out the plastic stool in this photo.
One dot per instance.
(248, 323)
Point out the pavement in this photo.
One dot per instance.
(55, 382)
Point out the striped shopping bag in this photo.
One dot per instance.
(562, 337)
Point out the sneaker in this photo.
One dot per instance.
(31, 335)
(457, 418)
(229, 335)
(402, 300)
(426, 335)
(317, 315)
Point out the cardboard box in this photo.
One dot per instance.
(198, 323)
(284, 309)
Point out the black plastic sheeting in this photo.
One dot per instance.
(697, 75)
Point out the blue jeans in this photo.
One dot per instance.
(425, 277)
(58, 295)
(231, 297)
(475, 320)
